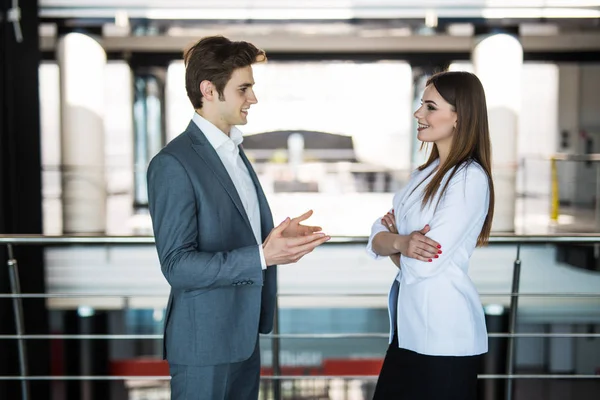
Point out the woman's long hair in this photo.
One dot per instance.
(471, 140)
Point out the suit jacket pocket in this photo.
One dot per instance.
(189, 294)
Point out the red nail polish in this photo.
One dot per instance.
(439, 252)
(430, 260)
(439, 246)
(436, 256)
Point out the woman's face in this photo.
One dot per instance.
(436, 117)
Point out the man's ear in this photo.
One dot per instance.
(207, 89)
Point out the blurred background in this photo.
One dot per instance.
(92, 90)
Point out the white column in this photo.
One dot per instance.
(119, 141)
(82, 62)
(295, 144)
(178, 109)
(49, 84)
(498, 61)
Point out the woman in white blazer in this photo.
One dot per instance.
(437, 321)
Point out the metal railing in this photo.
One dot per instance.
(13, 240)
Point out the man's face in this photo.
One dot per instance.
(238, 96)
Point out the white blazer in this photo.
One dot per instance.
(438, 311)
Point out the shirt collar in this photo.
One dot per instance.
(236, 136)
(215, 136)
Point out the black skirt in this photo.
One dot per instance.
(406, 375)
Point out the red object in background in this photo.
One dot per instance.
(294, 371)
(352, 367)
(330, 367)
(139, 367)
(57, 365)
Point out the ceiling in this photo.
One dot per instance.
(326, 25)
(321, 10)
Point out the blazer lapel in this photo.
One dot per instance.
(414, 194)
(266, 219)
(210, 157)
(411, 197)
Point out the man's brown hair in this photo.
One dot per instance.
(214, 59)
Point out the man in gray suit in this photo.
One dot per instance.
(214, 233)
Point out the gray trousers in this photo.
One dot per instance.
(236, 381)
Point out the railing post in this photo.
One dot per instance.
(597, 205)
(512, 323)
(15, 287)
(275, 353)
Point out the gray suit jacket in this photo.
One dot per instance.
(220, 297)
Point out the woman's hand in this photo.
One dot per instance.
(389, 221)
(418, 246)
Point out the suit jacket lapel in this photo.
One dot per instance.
(266, 219)
(211, 158)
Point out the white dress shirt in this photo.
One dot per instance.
(228, 151)
(438, 311)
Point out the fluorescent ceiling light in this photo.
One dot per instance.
(378, 33)
(252, 14)
(431, 19)
(572, 3)
(326, 13)
(466, 29)
(542, 3)
(544, 12)
(121, 19)
(538, 29)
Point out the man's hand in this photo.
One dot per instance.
(295, 229)
(279, 249)
(418, 246)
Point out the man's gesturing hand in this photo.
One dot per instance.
(279, 249)
(295, 229)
